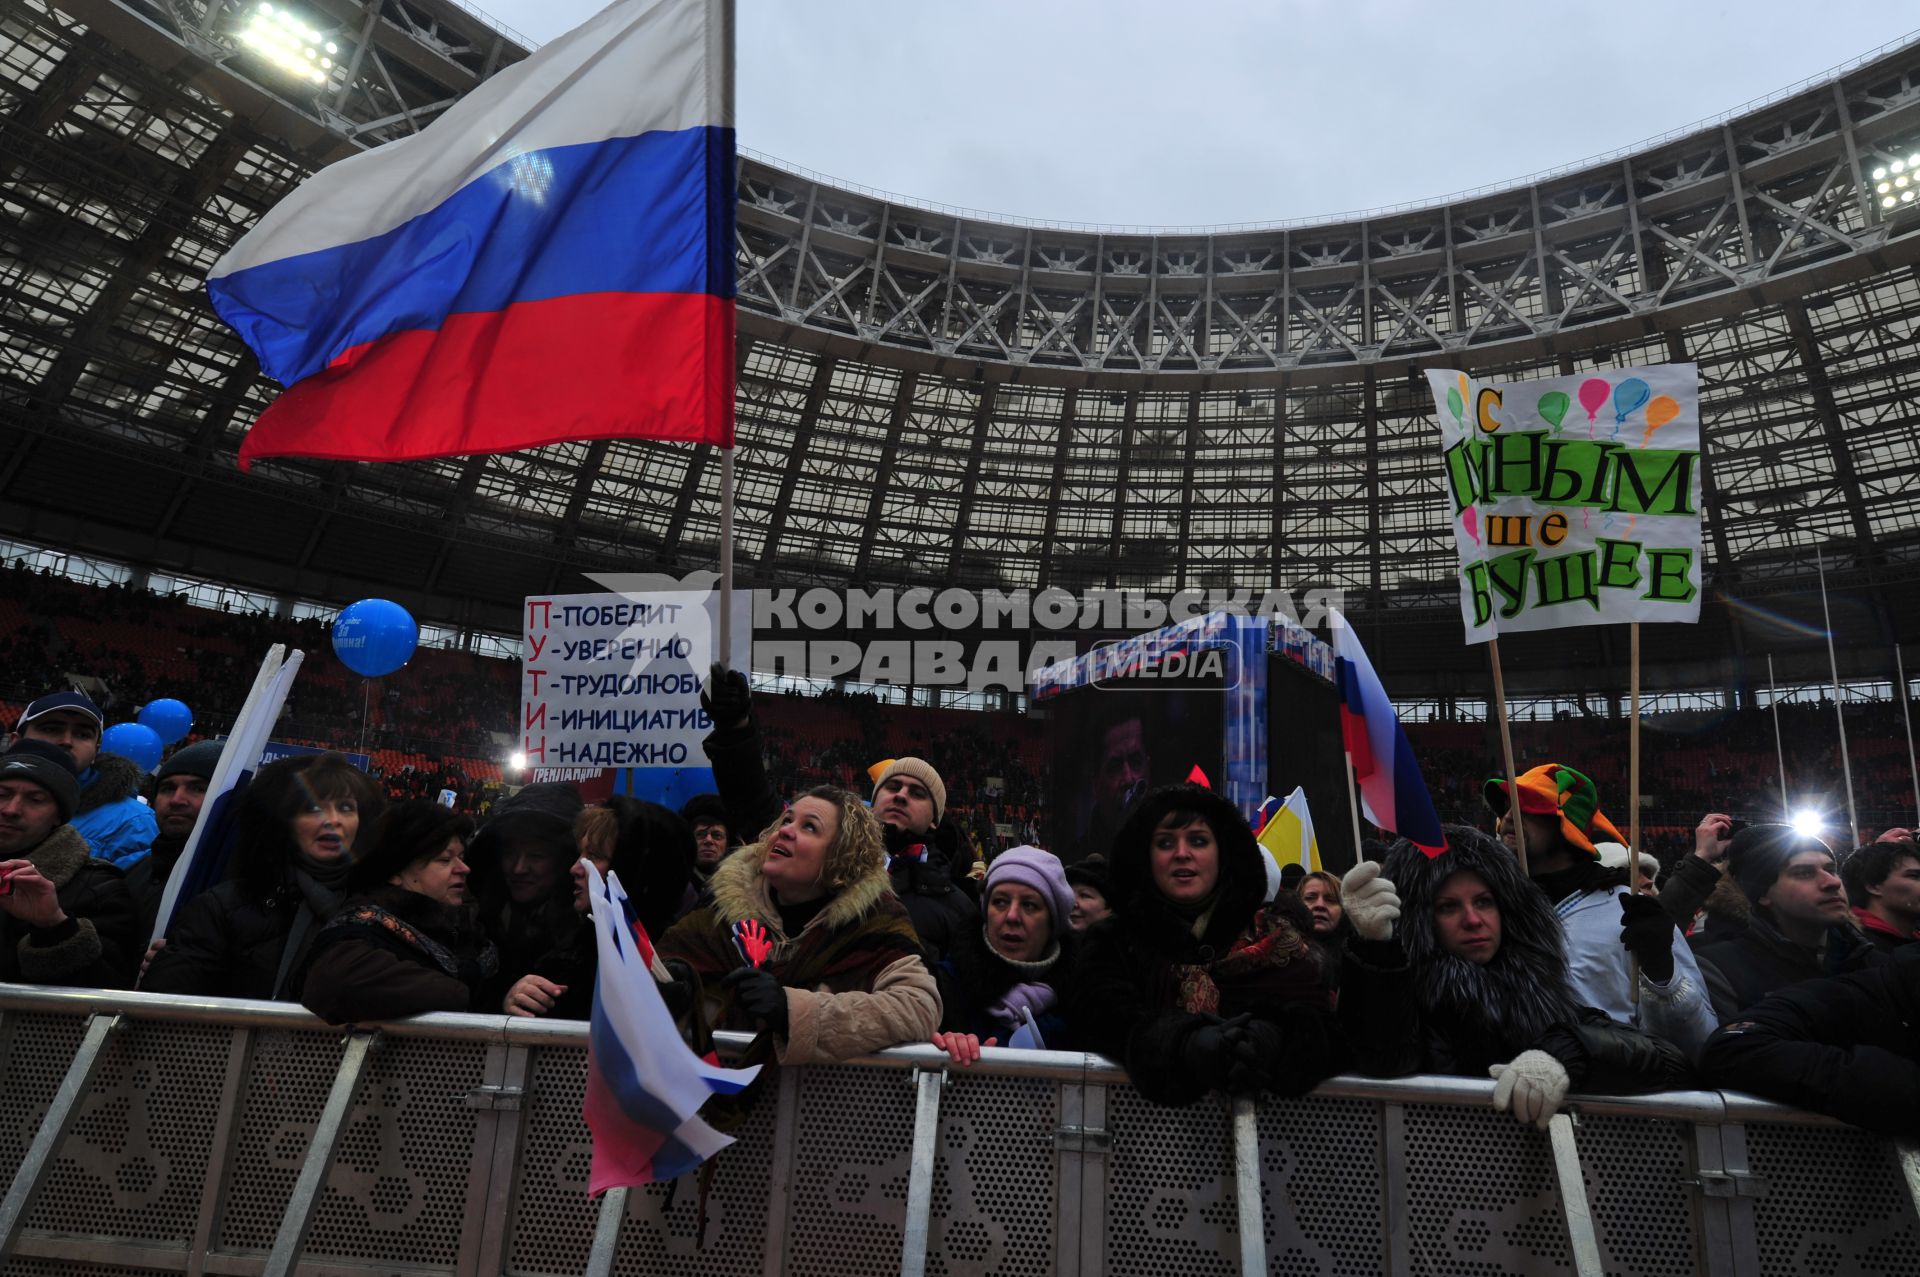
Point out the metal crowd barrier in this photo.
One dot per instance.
(145, 1134)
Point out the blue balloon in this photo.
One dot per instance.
(1629, 395)
(375, 637)
(133, 741)
(171, 720)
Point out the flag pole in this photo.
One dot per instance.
(1633, 793)
(1906, 716)
(720, 61)
(1780, 750)
(1633, 763)
(1353, 808)
(1506, 751)
(1839, 715)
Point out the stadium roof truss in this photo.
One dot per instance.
(942, 397)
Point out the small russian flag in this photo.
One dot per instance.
(644, 1084)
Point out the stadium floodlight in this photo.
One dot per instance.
(280, 36)
(1879, 173)
(1807, 823)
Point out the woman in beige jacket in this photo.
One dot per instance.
(801, 937)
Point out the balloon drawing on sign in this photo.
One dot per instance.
(1593, 397)
(1470, 520)
(1628, 396)
(1659, 413)
(1455, 404)
(170, 719)
(1553, 408)
(375, 637)
(134, 742)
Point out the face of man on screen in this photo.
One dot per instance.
(1124, 765)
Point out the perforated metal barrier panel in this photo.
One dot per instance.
(459, 1148)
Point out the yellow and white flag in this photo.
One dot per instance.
(1288, 838)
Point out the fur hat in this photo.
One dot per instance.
(1091, 872)
(1040, 870)
(1507, 1003)
(1555, 789)
(198, 759)
(47, 766)
(921, 770)
(409, 831)
(1758, 853)
(706, 809)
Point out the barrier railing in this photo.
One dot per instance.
(150, 1134)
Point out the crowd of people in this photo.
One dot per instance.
(848, 917)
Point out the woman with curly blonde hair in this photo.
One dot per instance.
(802, 937)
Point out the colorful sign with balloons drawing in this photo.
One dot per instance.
(1574, 500)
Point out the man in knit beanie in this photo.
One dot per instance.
(1800, 928)
(179, 792)
(923, 850)
(65, 917)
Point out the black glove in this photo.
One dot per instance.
(760, 997)
(1254, 1054)
(727, 698)
(1209, 1051)
(677, 993)
(1647, 931)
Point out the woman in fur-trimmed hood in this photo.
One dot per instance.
(1473, 981)
(839, 971)
(1195, 983)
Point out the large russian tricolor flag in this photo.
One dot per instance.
(1393, 794)
(644, 1084)
(550, 259)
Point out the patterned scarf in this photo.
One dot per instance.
(1269, 962)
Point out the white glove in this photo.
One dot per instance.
(1370, 901)
(1535, 1084)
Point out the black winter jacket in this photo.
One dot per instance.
(230, 943)
(1380, 1012)
(943, 914)
(1848, 1047)
(738, 759)
(391, 952)
(1741, 971)
(1125, 1000)
(97, 947)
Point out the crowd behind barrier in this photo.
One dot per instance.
(440, 724)
(882, 907)
(454, 1144)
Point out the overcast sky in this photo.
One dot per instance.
(1209, 112)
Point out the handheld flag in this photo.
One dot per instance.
(644, 1084)
(551, 259)
(1027, 1035)
(1288, 838)
(1392, 793)
(203, 861)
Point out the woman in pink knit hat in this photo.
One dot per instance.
(1014, 967)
